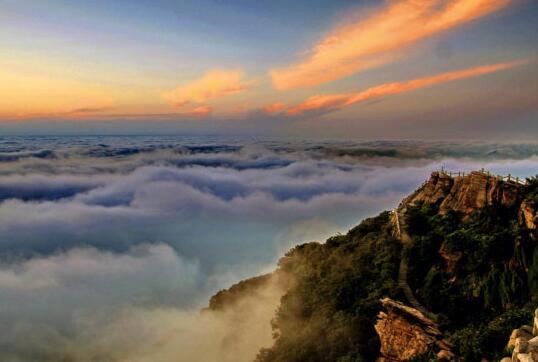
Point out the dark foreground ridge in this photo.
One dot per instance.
(448, 275)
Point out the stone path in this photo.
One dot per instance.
(405, 239)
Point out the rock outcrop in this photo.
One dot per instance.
(528, 215)
(406, 332)
(467, 193)
(524, 342)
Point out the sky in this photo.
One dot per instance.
(432, 69)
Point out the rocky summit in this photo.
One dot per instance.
(468, 192)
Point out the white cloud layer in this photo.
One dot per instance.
(104, 246)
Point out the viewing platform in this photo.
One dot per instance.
(509, 178)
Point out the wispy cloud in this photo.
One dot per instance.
(101, 114)
(88, 110)
(82, 112)
(203, 111)
(331, 102)
(374, 40)
(212, 85)
(274, 107)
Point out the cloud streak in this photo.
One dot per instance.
(77, 113)
(332, 102)
(376, 39)
(212, 85)
(202, 111)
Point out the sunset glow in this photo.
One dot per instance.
(335, 101)
(138, 63)
(367, 43)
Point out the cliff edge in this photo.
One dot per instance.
(468, 192)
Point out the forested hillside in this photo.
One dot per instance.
(473, 268)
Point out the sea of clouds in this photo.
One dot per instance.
(109, 246)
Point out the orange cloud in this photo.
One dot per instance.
(374, 40)
(274, 108)
(202, 111)
(336, 101)
(214, 84)
(198, 112)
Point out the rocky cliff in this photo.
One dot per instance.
(467, 193)
(405, 332)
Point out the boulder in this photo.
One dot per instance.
(405, 332)
(521, 333)
(532, 345)
(524, 340)
(524, 357)
(521, 345)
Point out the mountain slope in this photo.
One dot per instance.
(471, 262)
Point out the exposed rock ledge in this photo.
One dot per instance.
(406, 332)
(465, 194)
